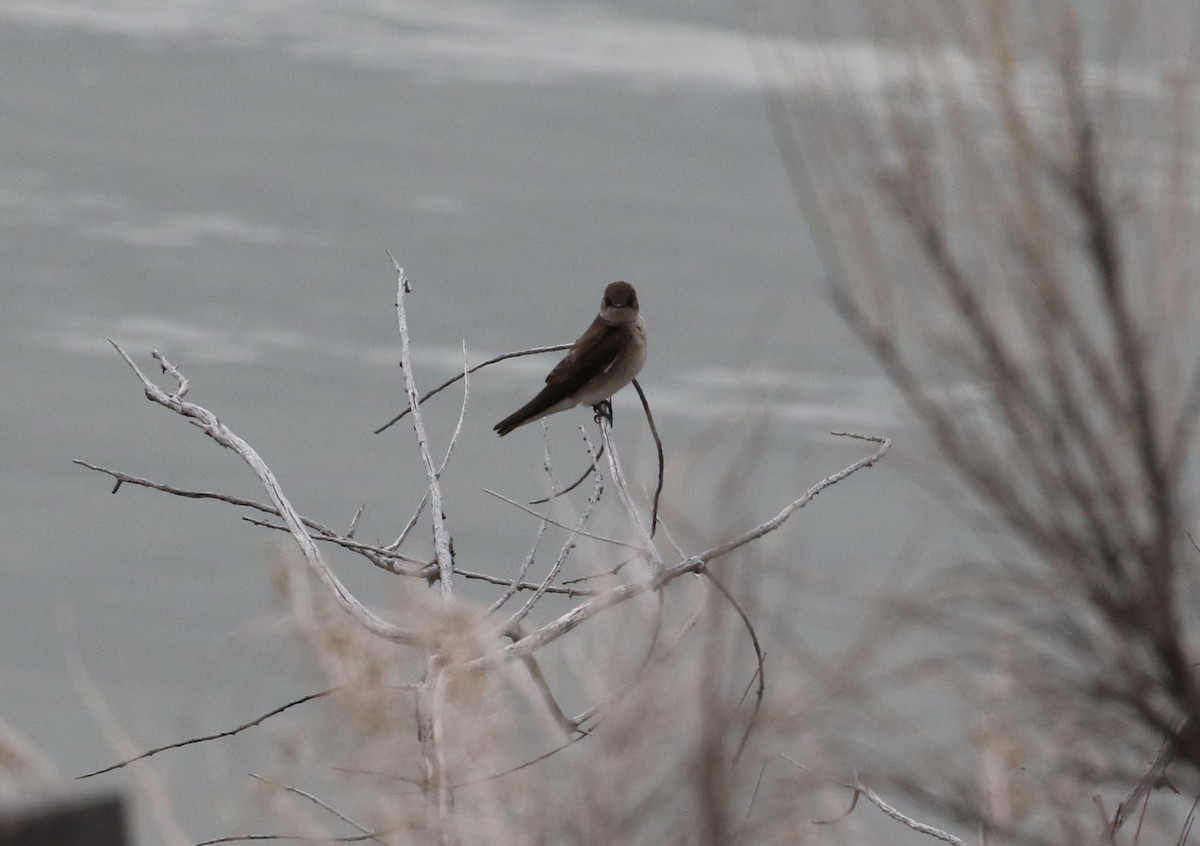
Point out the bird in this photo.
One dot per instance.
(602, 360)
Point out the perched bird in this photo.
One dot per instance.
(603, 360)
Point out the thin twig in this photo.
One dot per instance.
(511, 589)
(500, 580)
(894, 813)
(253, 838)
(760, 674)
(207, 737)
(1188, 822)
(680, 638)
(537, 538)
(535, 760)
(383, 557)
(451, 381)
(125, 478)
(569, 544)
(874, 798)
(354, 522)
(1150, 778)
(583, 476)
(154, 798)
(553, 522)
(626, 498)
(515, 632)
(412, 521)
(604, 574)
(373, 835)
(661, 460)
(754, 794)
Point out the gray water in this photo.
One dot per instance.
(221, 181)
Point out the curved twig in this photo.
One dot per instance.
(480, 366)
(514, 632)
(661, 461)
(316, 800)
(591, 469)
(618, 476)
(760, 673)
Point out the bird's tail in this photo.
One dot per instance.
(535, 409)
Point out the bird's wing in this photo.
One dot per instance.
(594, 352)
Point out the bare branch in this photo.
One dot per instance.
(500, 580)
(437, 784)
(1152, 776)
(371, 835)
(125, 478)
(354, 521)
(258, 838)
(861, 789)
(382, 557)
(215, 736)
(555, 629)
(515, 632)
(760, 674)
(219, 432)
(582, 477)
(412, 522)
(451, 381)
(515, 620)
(894, 813)
(661, 459)
(441, 537)
(511, 589)
(553, 522)
(647, 540)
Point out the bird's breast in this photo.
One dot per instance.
(621, 372)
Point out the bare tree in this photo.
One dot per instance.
(1000, 194)
(440, 702)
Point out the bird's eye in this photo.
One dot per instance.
(607, 302)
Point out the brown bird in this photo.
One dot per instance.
(602, 360)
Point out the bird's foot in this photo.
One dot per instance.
(604, 411)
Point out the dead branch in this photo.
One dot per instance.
(661, 459)
(550, 632)
(257, 721)
(480, 366)
(207, 422)
(441, 537)
(304, 794)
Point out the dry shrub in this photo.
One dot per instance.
(1000, 194)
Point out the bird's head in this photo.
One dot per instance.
(620, 303)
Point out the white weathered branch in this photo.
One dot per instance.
(441, 537)
(905, 819)
(583, 612)
(223, 435)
